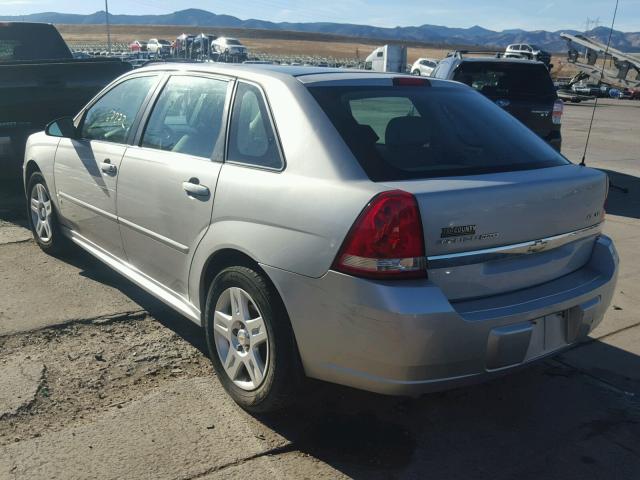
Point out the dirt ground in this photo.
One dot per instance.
(100, 381)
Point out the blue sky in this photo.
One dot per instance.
(493, 14)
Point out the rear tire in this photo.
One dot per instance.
(43, 218)
(250, 341)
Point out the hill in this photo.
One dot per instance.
(433, 34)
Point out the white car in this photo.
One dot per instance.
(158, 47)
(527, 51)
(424, 66)
(229, 46)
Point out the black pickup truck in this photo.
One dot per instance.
(39, 82)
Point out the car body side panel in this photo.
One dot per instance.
(41, 149)
(293, 222)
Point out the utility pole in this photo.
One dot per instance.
(106, 9)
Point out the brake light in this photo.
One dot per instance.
(558, 108)
(386, 240)
(411, 82)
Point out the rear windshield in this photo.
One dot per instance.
(25, 41)
(513, 81)
(399, 133)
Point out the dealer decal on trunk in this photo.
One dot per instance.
(462, 233)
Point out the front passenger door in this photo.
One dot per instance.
(86, 169)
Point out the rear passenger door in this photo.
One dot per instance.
(168, 178)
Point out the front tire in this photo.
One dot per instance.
(43, 218)
(416, 72)
(250, 341)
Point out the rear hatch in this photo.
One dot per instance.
(500, 209)
(524, 89)
(495, 233)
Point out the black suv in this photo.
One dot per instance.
(522, 87)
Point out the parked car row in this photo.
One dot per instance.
(196, 47)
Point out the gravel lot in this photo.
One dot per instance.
(98, 380)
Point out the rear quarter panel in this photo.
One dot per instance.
(297, 218)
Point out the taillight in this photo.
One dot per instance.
(558, 108)
(386, 241)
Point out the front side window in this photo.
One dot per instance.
(187, 118)
(252, 139)
(110, 119)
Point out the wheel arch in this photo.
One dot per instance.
(218, 261)
(29, 169)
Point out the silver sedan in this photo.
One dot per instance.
(391, 233)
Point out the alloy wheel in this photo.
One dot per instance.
(241, 338)
(41, 210)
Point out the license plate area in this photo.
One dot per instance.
(549, 333)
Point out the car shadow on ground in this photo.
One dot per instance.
(548, 421)
(624, 194)
(95, 270)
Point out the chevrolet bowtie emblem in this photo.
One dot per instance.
(537, 246)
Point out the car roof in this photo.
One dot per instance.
(305, 75)
(498, 60)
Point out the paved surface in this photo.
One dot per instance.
(20, 380)
(126, 392)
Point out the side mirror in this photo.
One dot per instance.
(62, 127)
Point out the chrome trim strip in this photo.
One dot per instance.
(156, 236)
(524, 248)
(88, 206)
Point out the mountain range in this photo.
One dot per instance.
(431, 34)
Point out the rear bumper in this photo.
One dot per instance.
(408, 339)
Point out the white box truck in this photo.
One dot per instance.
(390, 58)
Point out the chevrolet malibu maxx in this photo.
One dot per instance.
(391, 233)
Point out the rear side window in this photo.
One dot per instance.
(399, 133)
(507, 80)
(252, 139)
(187, 117)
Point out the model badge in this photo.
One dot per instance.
(458, 231)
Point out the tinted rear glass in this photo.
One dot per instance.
(25, 41)
(399, 133)
(507, 80)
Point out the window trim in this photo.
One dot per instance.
(271, 121)
(82, 115)
(148, 110)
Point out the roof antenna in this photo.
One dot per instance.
(595, 105)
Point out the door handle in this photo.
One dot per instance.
(193, 187)
(107, 167)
